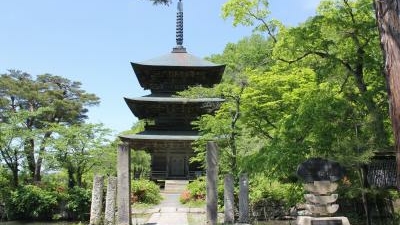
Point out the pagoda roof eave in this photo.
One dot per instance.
(162, 136)
(177, 59)
(174, 99)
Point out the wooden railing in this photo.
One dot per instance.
(162, 174)
(158, 175)
(195, 174)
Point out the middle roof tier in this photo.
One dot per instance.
(171, 113)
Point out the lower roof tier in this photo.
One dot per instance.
(161, 140)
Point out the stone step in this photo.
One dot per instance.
(175, 186)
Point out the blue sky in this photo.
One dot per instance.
(94, 41)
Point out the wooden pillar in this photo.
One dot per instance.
(187, 174)
(229, 201)
(124, 185)
(151, 165)
(96, 207)
(212, 181)
(244, 199)
(167, 166)
(109, 215)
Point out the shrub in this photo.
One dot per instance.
(145, 191)
(273, 198)
(78, 202)
(32, 202)
(185, 197)
(195, 191)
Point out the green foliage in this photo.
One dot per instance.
(195, 191)
(34, 107)
(254, 52)
(136, 128)
(269, 190)
(5, 186)
(31, 202)
(78, 148)
(321, 94)
(78, 202)
(341, 45)
(145, 191)
(140, 163)
(248, 13)
(140, 160)
(12, 137)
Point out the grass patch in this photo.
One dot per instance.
(139, 205)
(195, 204)
(196, 218)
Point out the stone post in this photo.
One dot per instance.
(124, 185)
(97, 200)
(244, 199)
(228, 199)
(109, 215)
(211, 188)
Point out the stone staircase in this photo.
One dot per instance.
(175, 186)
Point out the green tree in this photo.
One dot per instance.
(78, 148)
(252, 13)
(140, 159)
(12, 138)
(341, 45)
(140, 163)
(254, 52)
(224, 127)
(49, 100)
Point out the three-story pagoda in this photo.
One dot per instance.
(168, 134)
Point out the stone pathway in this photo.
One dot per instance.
(168, 216)
(169, 212)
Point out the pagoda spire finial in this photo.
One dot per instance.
(179, 29)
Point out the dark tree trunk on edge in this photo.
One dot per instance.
(14, 170)
(388, 20)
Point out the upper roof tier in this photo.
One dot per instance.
(176, 58)
(177, 71)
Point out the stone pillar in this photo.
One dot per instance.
(244, 199)
(97, 200)
(109, 215)
(211, 188)
(124, 185)
(229, 201)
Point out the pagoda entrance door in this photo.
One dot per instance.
(177, 166)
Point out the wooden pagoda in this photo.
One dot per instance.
(168, 134)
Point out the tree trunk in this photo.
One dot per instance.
(79, 175)
(388, 20)
(38, 165)
(364, 186)
(29, 150)
(71, 178)
(15, 181)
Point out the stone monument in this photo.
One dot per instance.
(320, 176)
